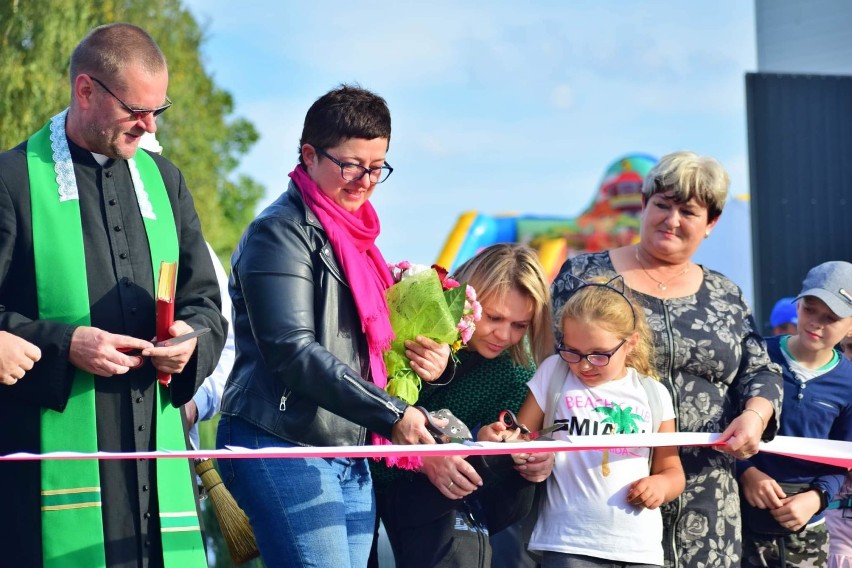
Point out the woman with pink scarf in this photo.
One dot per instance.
(311, 322)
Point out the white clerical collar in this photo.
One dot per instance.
(64, 167)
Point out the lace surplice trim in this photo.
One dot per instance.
(64, 167)
(62, 163)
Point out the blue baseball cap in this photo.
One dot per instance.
(784, 311)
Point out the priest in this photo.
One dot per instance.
(85, 221)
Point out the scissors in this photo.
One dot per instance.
(133, 352)
(508, 418)
(181, 338)
(454, 432)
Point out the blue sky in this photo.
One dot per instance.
(497, 106)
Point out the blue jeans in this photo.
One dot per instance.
(304, 512)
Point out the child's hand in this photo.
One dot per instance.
(763, 492)
(797, 510)
(760, 490)
(520, 460)
(648, 492)
(498, 432)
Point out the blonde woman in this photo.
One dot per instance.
(443, 515)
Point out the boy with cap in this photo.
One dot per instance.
(817, 404)
(783, 318)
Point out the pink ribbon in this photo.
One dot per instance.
(830, 452)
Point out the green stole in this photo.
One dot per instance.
(72, 523)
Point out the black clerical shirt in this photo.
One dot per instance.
(120, 285)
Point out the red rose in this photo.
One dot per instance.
(447, 283)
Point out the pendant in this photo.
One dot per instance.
(661, 286)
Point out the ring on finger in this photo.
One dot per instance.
(450, 486)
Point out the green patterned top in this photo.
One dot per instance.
(480, 389)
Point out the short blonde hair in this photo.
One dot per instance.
(689, 175)
(600, 304)
(501, 268)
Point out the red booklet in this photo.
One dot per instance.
(165, 308)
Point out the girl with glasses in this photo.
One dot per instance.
(601, 507)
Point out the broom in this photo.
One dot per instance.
(238, 534)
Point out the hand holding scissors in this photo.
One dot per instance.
(449, 430)
(510, 421)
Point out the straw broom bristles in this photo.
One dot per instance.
(238, 534)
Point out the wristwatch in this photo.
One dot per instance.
(824, 498)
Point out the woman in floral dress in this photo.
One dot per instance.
(709, 351)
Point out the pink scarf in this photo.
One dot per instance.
(353, 238)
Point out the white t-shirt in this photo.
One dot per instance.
(586, 512)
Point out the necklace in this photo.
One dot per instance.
(661, 284)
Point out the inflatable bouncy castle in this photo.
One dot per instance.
(610, 220)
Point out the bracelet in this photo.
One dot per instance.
(759, 415)
(824, 498)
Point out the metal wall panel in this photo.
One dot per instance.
(804, 36)
(800, 161)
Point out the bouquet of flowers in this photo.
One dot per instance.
(425, 301)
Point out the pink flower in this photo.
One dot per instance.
(401, 270)
(466, 328)
(471, 306)
(470, 294)
(476, 310)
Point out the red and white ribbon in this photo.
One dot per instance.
(830, 452)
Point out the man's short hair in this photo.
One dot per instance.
(107, 50)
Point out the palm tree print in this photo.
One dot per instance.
(624, 420)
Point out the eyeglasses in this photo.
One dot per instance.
(136, 113)
(597, 359)
(354, 172)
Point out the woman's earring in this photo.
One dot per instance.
(706, 233)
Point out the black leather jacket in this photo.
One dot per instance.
(301, 353)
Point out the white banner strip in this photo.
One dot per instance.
(831, 452)
(824, 451)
